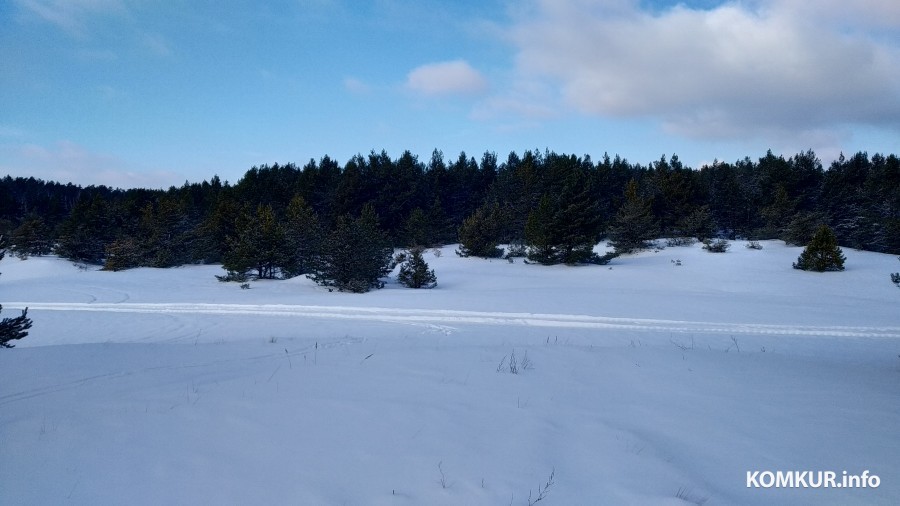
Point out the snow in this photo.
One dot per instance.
(650, 383)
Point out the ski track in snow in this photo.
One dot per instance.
(440, 319)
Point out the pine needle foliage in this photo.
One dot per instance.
(479, 234)
(354, 256)
(259, 246)
(634, 225)
(822, 253)
(12, 329)
(414, 272)
(565, 225)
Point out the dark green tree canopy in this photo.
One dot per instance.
(634, 225)
(481, 233)
(480, 202)
(354, 256)
(259, 246)
(822, 253)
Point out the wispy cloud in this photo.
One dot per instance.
(523, 99)
(764, 68)
(455, 77)
(356, 86)
(71, 16)
(156, 44)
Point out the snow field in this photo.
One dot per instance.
(651, 384)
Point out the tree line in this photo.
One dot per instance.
(278, 220)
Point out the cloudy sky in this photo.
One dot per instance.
(152, 93)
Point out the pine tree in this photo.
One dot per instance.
(698, 224)
(634, 224)
(12, 329)
(414, 272)
(121, 254)
(578, 220)
(566, 223)
(259, 246)
(355, 255)
(480, 233)
(416, 231)
(540, 234)
(303, 236)
(822, 253)
(86, 232)
(32, 237)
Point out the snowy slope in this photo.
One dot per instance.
(649, 383)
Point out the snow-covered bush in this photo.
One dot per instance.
(680, 241)
(716, 246)
(754, 245)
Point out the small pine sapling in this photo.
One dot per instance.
(414, 271)
(822, 253)
(895, 277)
(12, 329)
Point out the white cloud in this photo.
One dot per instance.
(446, 78)
(768, 70)
(355, 86)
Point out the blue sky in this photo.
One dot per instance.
(152, 93)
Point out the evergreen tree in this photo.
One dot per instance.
(698, 224)
(416, 231)
(259, 246)
(414, 272)
(166, 234)
(303, 235)
(577, 220)
(124, 253)
(443, 229)
(32, 237)
(217, 227)
(12, 329)
(778, 214)
(480, 233)
(564, 228)
(355, 255)
(801, 228)
(540, 236)
(822, 253)
(86, 232)
(634, 224)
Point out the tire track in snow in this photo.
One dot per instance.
(444, 317)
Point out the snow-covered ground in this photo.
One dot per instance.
(646, 382)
